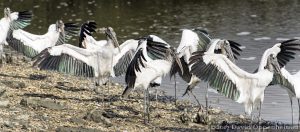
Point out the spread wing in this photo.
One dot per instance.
(186, 75)
(26, 43)
(133, 67)
(70, 29)
(287, 52)
(235, 48)
(123, 57)
(20, 19)
(215, 75)
(285, 80)
(86, 28)
(66, 59)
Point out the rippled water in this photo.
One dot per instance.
(256, 24)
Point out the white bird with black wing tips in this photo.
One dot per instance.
(290, 82)
(237, 84)
(152, 60)
(31, 45)
(198, 40)
(96, 61)
(12, 21)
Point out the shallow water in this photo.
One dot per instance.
(256, 24)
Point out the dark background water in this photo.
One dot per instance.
(256, 24)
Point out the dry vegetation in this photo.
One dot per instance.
(33, 100)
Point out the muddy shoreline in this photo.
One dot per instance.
(33, 100)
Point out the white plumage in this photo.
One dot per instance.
(96, 61)
(290, 82)
(198, 40)
(293, 87)
(38, 42)
(153, 59)
(12, 21)
(31, 44)
(233, 82)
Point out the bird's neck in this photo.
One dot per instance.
(53, 35)
(110, 43)
(264, 60)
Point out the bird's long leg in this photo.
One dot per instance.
(175, 86)
(251, 123)
(145, 103)
(1, 55)
(198, 102)
(291, 100)
(109, 81)
(298, 113)
(206, 99)
(109, 86)
(156, 92)
(156, 95)
(146, 106)
(259, 113)
(102, 91)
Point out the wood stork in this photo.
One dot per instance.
(237, 84)
(96, 61)
(152, 60)
(198, 40)
(31, 45)
(289, 82)
(12, 21)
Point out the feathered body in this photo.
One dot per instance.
(93, 60)
(12, 21)
(30, 44)
(152, 60)
(198, 40)
(237, 84)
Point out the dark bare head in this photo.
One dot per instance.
(111, 35)
(7, 12)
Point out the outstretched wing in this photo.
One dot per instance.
(287, 52)
(235, 48)
(18, 43)
(284, 80)
(214, 74)
(86, 28)
(20, 19)
(157, 50)
(123, 57)
(66, 59)
(70, 29)
(204, 39)
(186, 75)
(134, 66)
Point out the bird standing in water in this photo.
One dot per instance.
(237, 84)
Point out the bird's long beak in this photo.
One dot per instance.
(62, 30)
(175, 55)
(276, 66)
(112, 35)
(181, 52)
